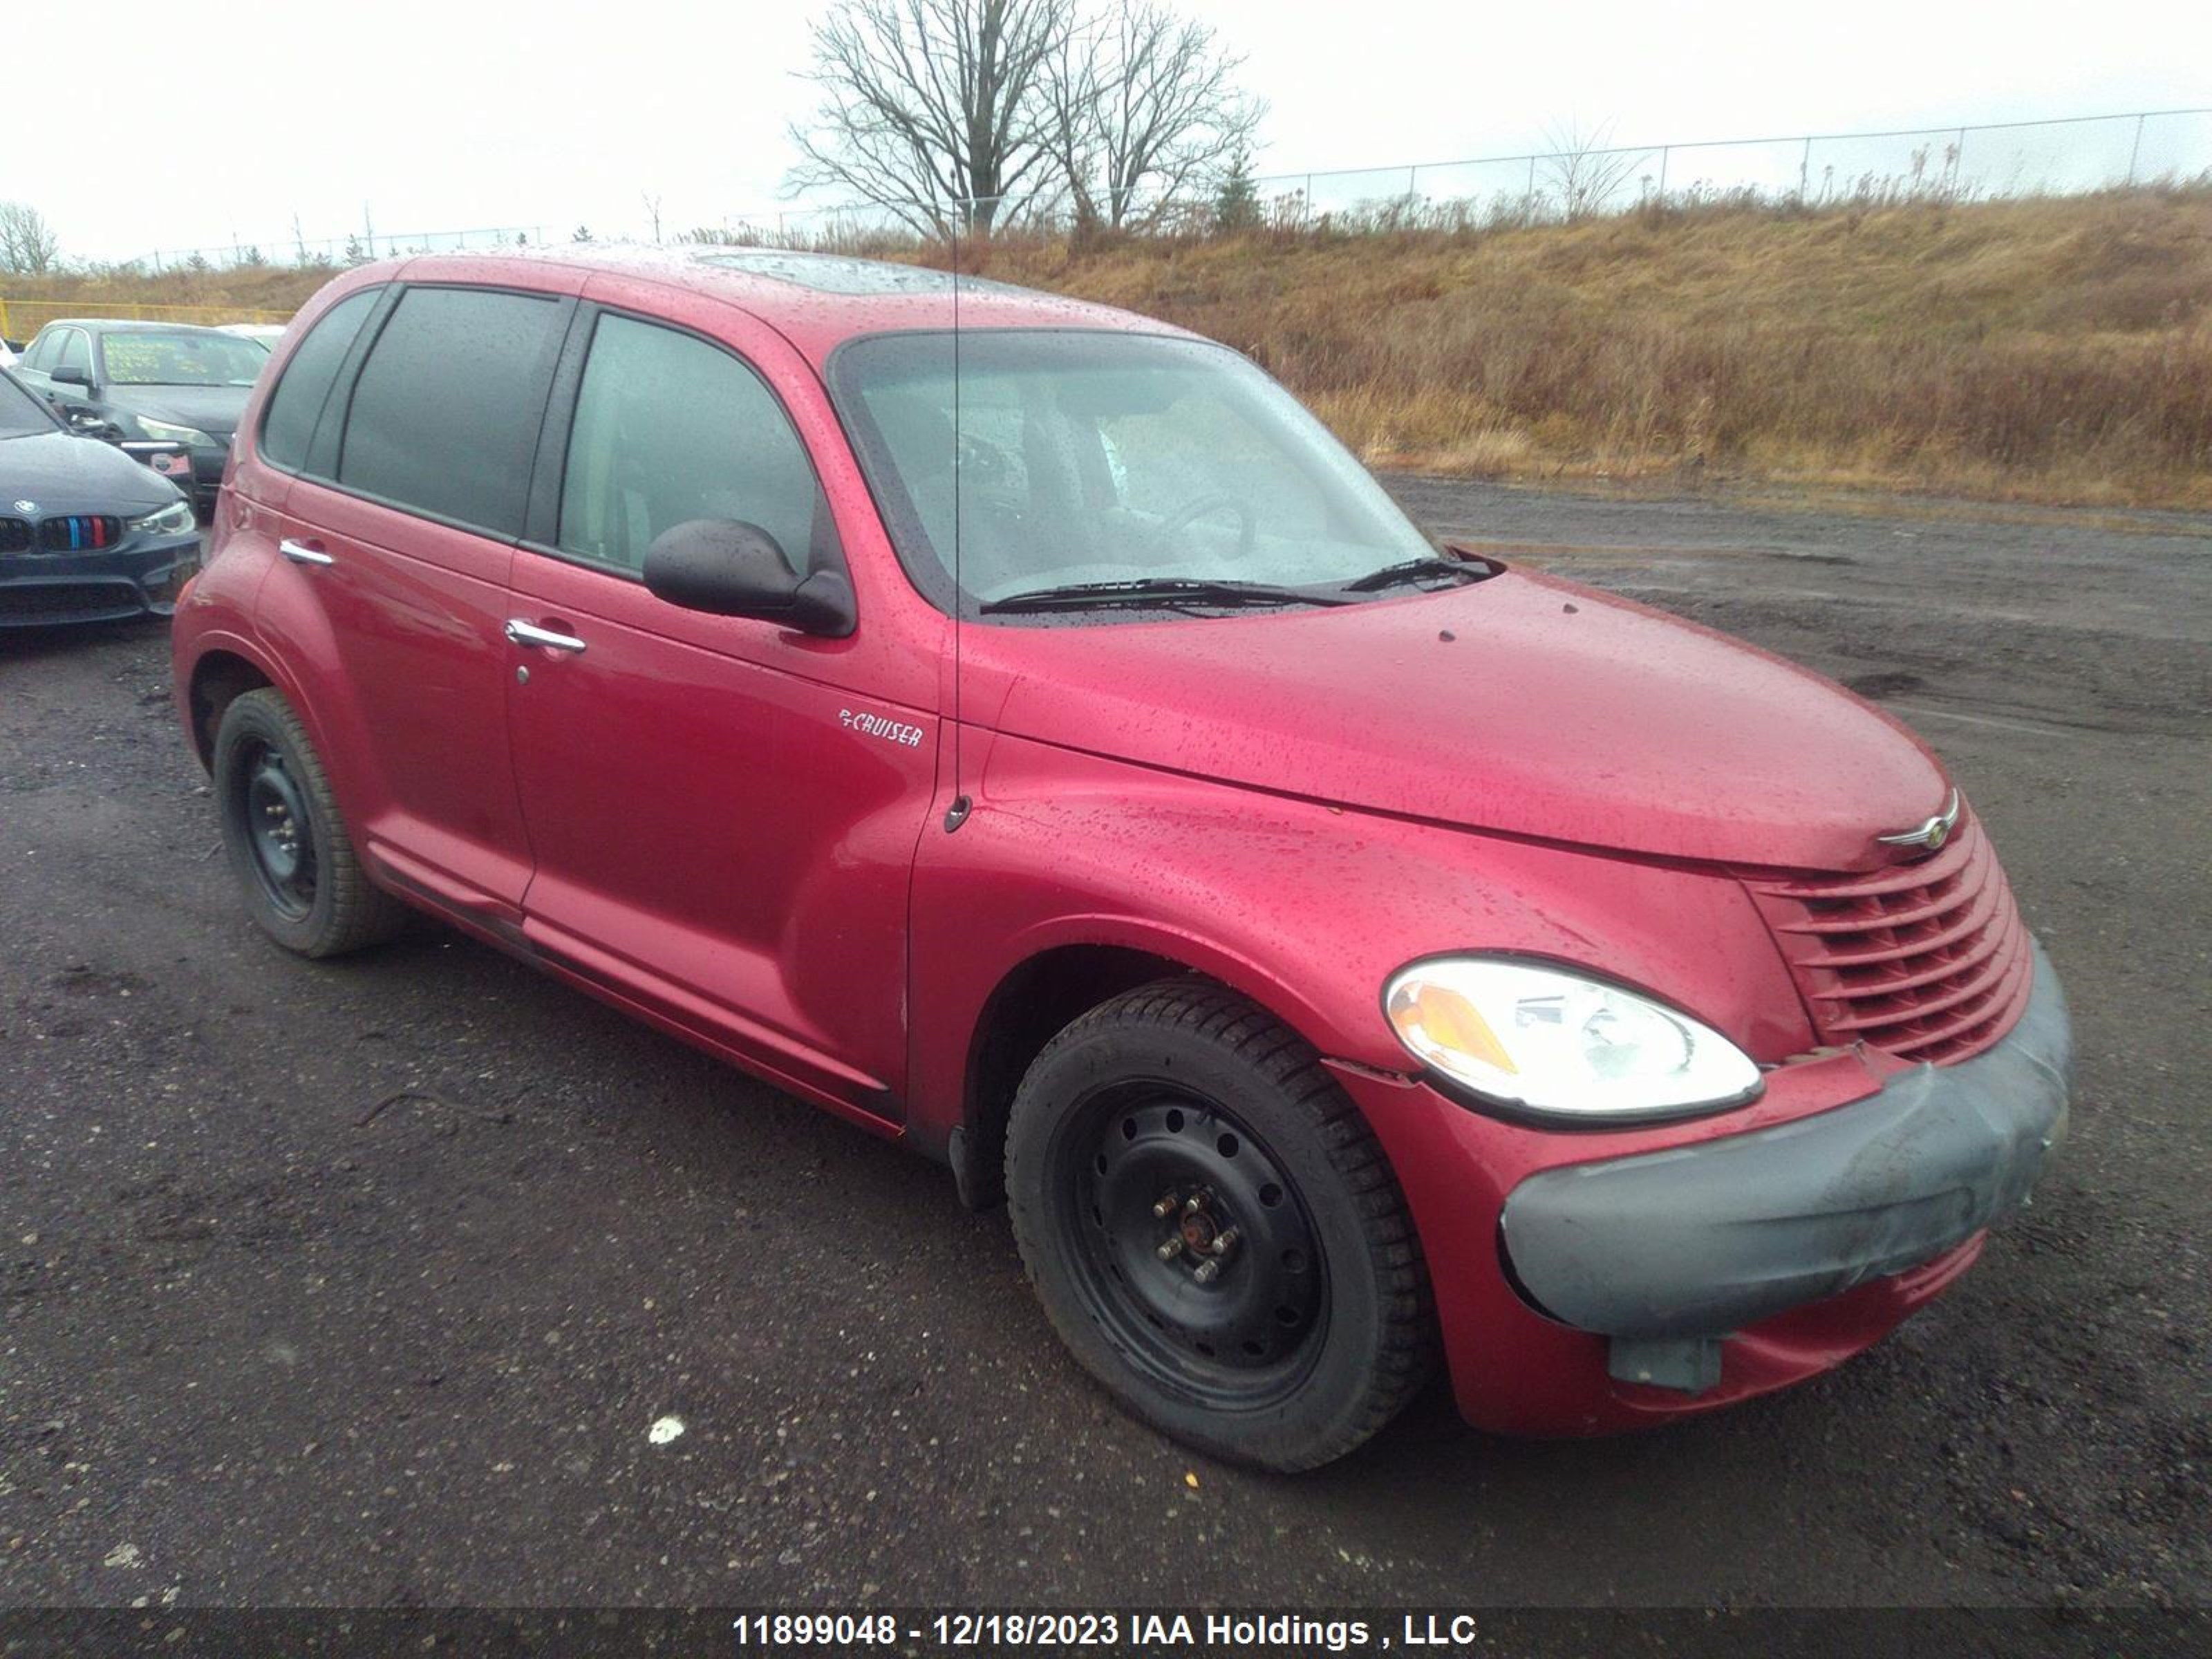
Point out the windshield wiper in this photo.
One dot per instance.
(1157, 591)
(1393, 576)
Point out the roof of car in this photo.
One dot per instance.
(816, 300)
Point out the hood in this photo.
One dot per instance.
(64, 473)
(1522, 704)
(215, 410)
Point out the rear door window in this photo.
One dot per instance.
(297, 403)
(669, 429)
(445, 413)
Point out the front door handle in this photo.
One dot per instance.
(523, 633)
(303, 552)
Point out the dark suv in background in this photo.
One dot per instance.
(153, 382)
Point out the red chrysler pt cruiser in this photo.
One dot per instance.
(1018, 728)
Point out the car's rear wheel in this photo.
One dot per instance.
(295, 865)
(1213, 1229)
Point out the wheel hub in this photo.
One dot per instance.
(276, 829)
(1198, 1233)
(1198, 1248)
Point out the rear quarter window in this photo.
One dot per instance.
(444, 415)
(297, 403)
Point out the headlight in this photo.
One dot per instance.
(169, 434)
(174, 519)
(1544, 1041)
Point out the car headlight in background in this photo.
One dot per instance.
(1542, 1040)
(170, 434)
(174, 519)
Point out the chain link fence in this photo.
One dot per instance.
(1963, 163)
(355, 249)
(1967, 163)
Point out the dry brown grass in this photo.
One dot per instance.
(254, 294)
(2053, 350)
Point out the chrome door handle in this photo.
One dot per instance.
(523, 633)
(300, 553)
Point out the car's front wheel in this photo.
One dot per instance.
(295, 865)
(1213, 1229)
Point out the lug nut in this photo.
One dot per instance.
(1166, 1206)
(1170, 1250)
(1207, 1272)
(1197, 1202)
(1229, 1236)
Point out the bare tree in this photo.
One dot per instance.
(933, 109)
(652, 210)
(1145, 104)
(1070, 85)
(28, 245)
(1583, 172)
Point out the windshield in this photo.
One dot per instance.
(187, 357)
(22, 416)
(1087, 460)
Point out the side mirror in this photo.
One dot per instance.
(71, 375)
(727, 567)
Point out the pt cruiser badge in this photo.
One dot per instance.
(876, 725)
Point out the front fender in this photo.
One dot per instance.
(1305, 907)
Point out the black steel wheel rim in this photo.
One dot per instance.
(279, 831)
(1191, 1245)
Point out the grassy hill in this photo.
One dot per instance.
(2056, 350)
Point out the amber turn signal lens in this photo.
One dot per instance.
(1435, 1017)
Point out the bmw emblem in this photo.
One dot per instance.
(26, 506)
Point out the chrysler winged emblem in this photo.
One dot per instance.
(1929, 835)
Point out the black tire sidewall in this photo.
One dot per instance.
(250, 719)
(1320, 1416)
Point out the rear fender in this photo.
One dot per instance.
(272, 621)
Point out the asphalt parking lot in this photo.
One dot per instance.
(365, 1282)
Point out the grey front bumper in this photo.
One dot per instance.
(1702, 1240)
(48, 589)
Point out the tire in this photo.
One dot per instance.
(296, 868)
(1178, 1125)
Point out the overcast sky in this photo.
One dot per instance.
(166, 126)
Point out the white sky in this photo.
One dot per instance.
(152, 124)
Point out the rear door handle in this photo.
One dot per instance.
(303, 552)
(523, 633)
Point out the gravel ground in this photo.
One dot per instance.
(365, 1283)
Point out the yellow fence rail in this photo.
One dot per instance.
(21, 319)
